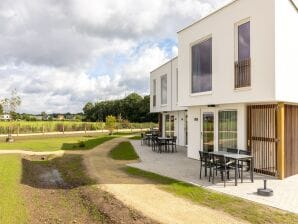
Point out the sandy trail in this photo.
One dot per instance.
(143, 196)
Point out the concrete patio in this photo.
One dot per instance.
(178, 166)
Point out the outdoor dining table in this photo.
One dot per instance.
(238, 158)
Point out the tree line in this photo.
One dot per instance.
(133, 108)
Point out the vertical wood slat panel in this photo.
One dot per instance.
(291, 140)
(262, 137)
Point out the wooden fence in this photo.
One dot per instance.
(262, 137)
(291, 140)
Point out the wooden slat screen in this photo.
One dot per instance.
(291, 140)
(262, 137)
(242, 73)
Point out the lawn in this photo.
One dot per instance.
(12, 209)
(57, 143)
(123, 151)
(237, 207)
(136, 137)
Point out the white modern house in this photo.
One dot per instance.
(237, 78)
(164, 100)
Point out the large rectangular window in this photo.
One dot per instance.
(163, 81)
(154, 92)
(244, 41)
(201, 78)
(227, 129)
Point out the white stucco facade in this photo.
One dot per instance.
(273, 58)
(171, 108)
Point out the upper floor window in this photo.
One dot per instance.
(163, 81)
(243, 63)
(244, 41)
(201, 77)
(154, 92)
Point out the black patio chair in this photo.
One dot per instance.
(143, 139)
(206, 162)
(232, 150)
(246, 162)
(236, 151)
(222, 165)
(173, 143)
(160, 145)
(154, 142)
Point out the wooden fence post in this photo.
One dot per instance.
(63, 128)
(281, 140)
(85, 128)
(18, 132)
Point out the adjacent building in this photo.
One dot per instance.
(5, 117)
(234, 84)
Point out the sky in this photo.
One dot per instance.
(60, 54)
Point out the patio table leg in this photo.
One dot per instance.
(241, 171)
(252, 170)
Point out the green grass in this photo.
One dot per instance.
(125, 133)
(57, 143)
(136, 137)
(123, 151)
(12, 208)
(237, 207)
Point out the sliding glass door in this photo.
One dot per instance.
(169, 125)
(208, 131)
(227, 129)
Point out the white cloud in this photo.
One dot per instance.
(48, 47)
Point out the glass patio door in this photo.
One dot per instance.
(208, 131)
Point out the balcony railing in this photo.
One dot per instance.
(242, 73)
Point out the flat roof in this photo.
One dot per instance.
(164, 64)
(207, 16)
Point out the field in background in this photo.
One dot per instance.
(28, 127)
(44, 143)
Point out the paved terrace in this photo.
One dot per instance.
(178, 166)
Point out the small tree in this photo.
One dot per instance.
(10, 106)
(110, 123)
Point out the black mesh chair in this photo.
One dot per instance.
(161, 145)
(222, 165)
(206, 162)
(232, 150)
(236, 151)
(153, 143)
(173, 143)
(143, 139)
(245, 162)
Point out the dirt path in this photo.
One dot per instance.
(137, 192)
(144, 196)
